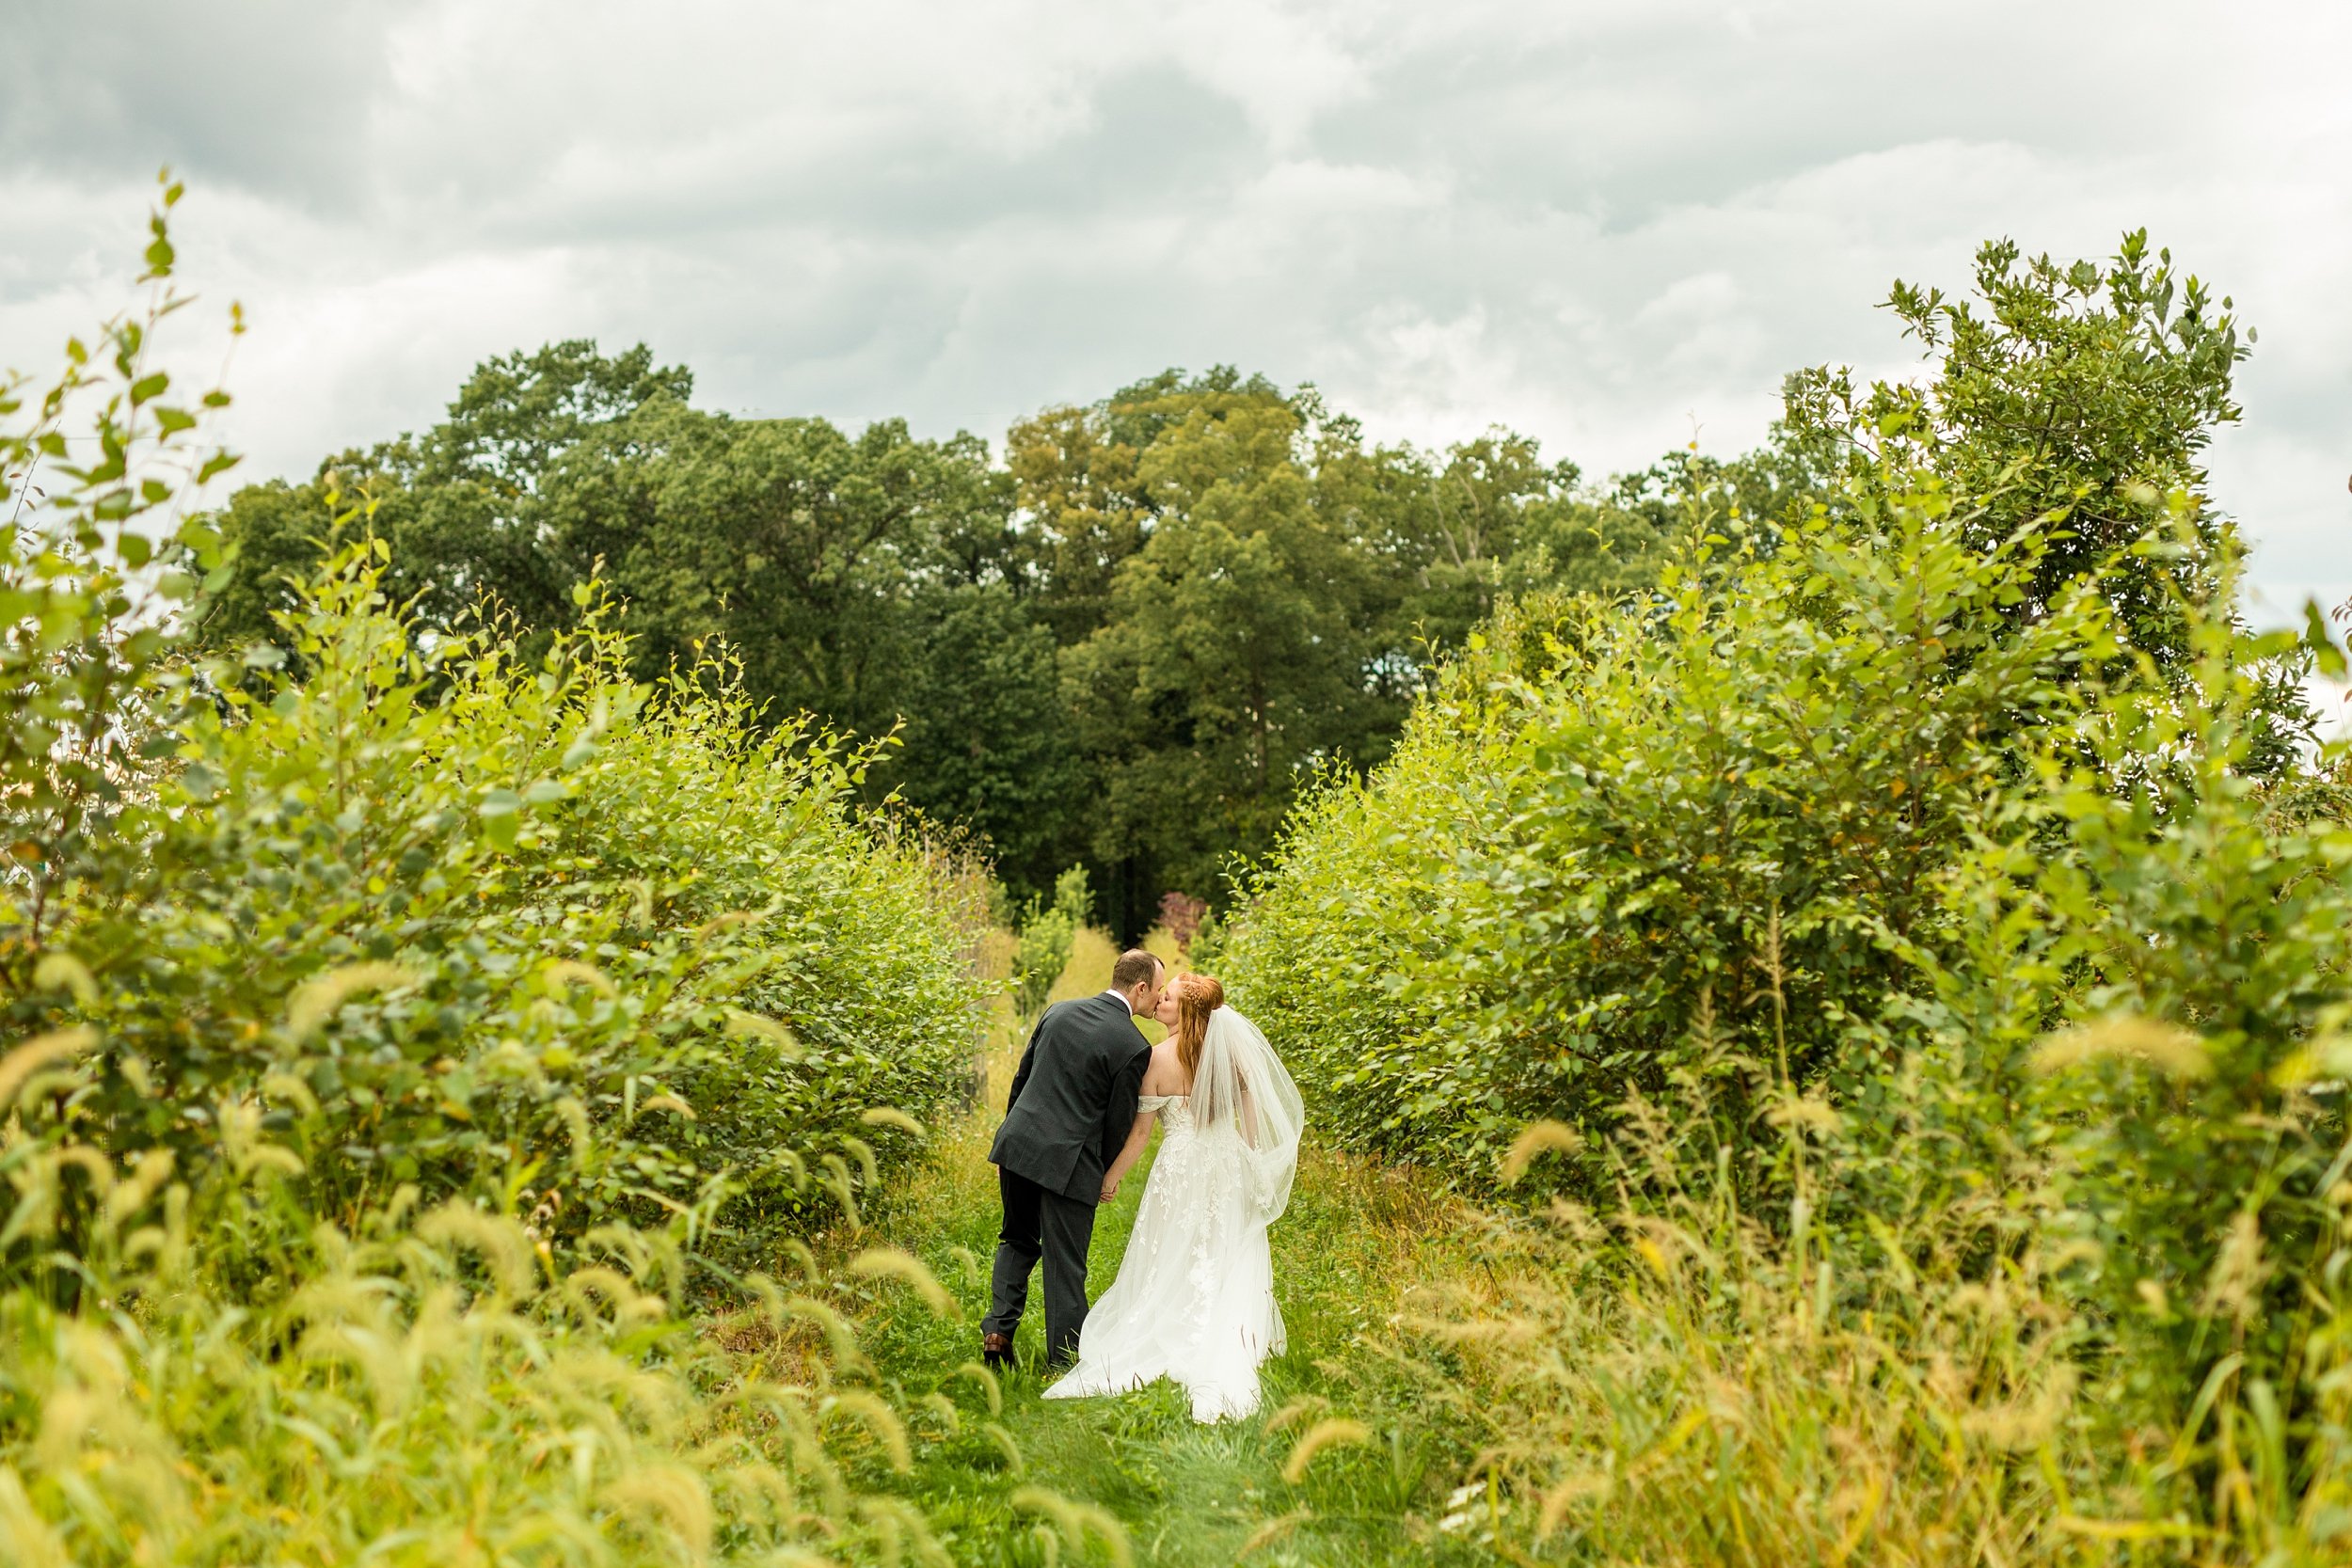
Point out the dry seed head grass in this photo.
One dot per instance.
(61, 971)
(2234, 1290)
(904, 1267)
(1273, 1530)
(501, 1243)
(1331, 1431)
(1538, 1138)
(316, 1001)
(433, 1414)
(1075, 1522)
(1808, 1114)
(1702, 1409)
(1297, 1410)
(2024, 1425)
(671, 1494)
(42, 1051)
(2172, 1051)
(887, 1116)
(571, 972)
(747, 1025)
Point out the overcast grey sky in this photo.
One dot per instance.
(1602, 222)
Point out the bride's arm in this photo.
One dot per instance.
(1137, 1136)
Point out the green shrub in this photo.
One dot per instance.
(397, 1055)
(1727, 804)
(539, 934)
(2065, 1282)
(2185, 927)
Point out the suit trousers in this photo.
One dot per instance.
(1040, 1223)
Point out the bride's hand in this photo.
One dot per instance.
(1110, 1188)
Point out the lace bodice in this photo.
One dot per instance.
(1175, 1110)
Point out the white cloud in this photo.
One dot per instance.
(1599, 222)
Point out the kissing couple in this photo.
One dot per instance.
(1194, 1300)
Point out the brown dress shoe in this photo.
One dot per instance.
(997, 1349)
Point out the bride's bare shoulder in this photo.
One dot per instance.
(1166, 1074)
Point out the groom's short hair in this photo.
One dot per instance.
(1135, 967)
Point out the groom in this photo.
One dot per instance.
(1071, 1106)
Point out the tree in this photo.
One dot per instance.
(2071, 400)
(987, 740)
(1128, 644)
(1082, 487)
(459, 505)
(786, 540)
(1239, 652)
(1459, 531)
(875, 580)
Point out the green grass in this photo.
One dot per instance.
(1091, 954)
(1353, 1239)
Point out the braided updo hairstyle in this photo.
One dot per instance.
(1197, 997)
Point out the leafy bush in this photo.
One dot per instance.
(400, 1051)
(1727, 804)
(2191, 926)
(2066, 1284)
(1933, 970)
(2063, 1282)
(541, 934)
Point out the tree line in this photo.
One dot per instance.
(1130, 636)
(1122, 642)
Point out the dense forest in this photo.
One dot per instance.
(1126, 644)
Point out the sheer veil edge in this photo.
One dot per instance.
(1241, 1090)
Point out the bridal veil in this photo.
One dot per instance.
(1240, 1089)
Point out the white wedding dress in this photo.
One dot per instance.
(1194, 1300)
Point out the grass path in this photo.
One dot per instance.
(1185, 1494)
(1354, 1239)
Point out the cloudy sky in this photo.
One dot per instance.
(1604, 222)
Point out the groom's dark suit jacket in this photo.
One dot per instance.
(1074, 1098)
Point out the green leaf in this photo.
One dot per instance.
(2326, 652)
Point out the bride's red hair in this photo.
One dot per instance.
(1197, 997)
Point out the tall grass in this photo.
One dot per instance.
(1675, 1380)
(1089, 970)
(428, 1392)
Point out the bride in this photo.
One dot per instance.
(1194, 1300)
